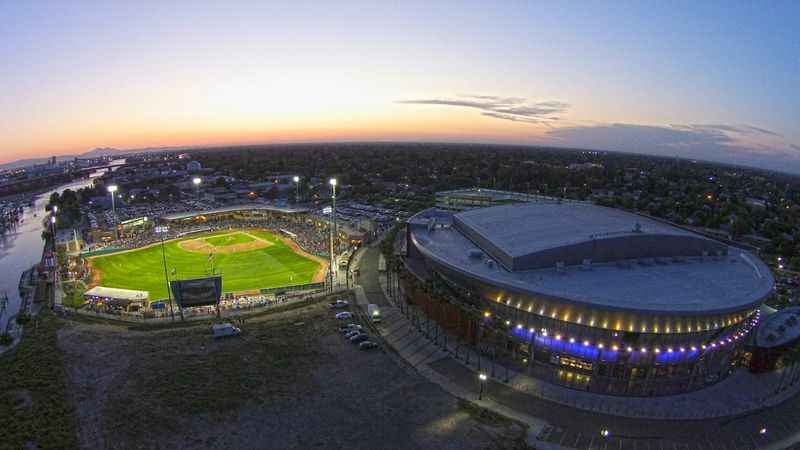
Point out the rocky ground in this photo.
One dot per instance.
(289, 382)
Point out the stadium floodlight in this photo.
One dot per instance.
(332, 229)
(53, 226)
(296, 180)
(196, 181)
(111, 190)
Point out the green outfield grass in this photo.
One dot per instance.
(231, 239)
(143, 269)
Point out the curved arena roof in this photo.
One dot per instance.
(576, 259)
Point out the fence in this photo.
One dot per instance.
(197, 314)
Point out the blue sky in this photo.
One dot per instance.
(710, 80)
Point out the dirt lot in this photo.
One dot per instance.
(282, 385)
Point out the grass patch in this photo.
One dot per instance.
(485, 415)
(34, 409)
(73, 294)
(230, 239)
(273, 266)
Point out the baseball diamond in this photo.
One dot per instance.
(247, 260)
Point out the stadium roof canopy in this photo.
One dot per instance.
(234, 208)
(593, 256)
(118, 294)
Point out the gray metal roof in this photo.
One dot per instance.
(538, 235)
(692, 284)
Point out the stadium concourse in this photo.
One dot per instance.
(287, 228)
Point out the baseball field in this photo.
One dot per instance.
(246, 259)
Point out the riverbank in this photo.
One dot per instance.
(33, 294)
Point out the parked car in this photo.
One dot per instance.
(338, 304)
(360, 337)
(352, 333)
(344, 315)
(224, 329)
(349, 326)
(367, 345)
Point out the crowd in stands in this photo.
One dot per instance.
(311, 238)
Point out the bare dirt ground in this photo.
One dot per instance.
(289, 382)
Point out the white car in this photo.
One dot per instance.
(344, 315)
(338, 304)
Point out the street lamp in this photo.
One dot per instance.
(482, 380)
(333, 229)
(112, 190)
(296, 180)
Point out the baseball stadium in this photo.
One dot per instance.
(587, 297)
(254, 249)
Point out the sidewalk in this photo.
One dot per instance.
(420, 353)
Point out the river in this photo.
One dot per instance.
(21, 247)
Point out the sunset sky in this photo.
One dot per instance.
(708, 80)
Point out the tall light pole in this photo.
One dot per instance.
(162, 230)
(53, 228)
(332, 228)
(196, 181)
(113, 191)
(296, 180)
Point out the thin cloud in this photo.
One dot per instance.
(734, 144)
(739, 129)
(515, 109)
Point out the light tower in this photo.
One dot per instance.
(333, 230)
(196, 182)
(296, 180)
(112, 189)
(53, 226)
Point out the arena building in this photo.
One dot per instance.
(586, 296)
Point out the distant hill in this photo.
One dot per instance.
(100, 152)
(95, 153)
